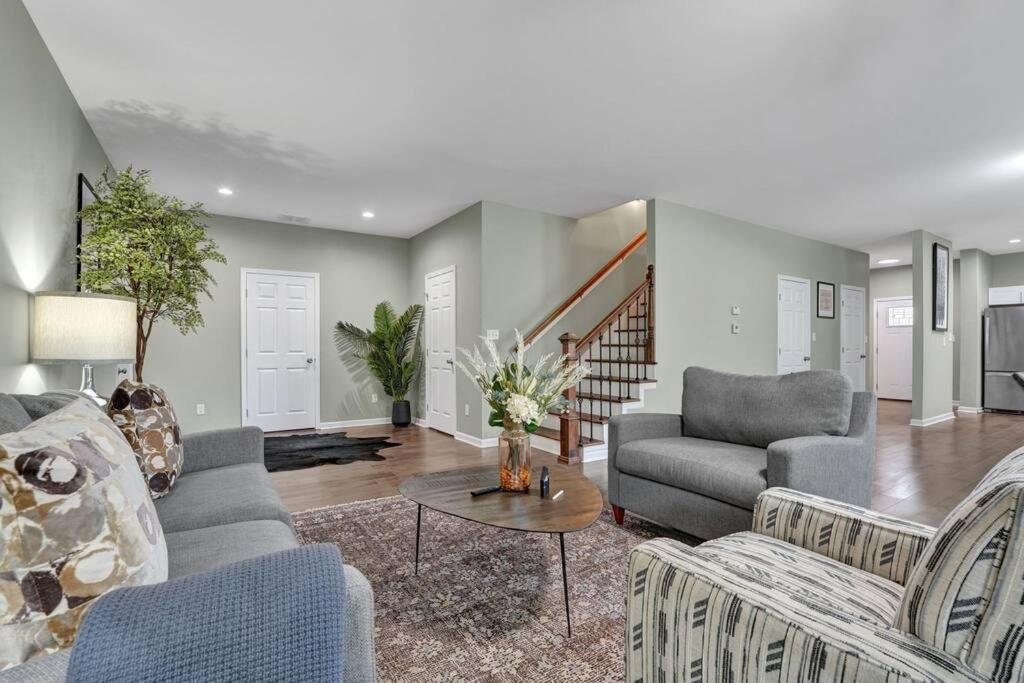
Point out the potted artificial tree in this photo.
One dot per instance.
(148, 247)
(390, 350)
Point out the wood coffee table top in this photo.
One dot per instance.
(448, 492)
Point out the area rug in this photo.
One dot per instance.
(309, 450)
(487, 604)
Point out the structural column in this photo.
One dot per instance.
(933, 349)
(975, 280)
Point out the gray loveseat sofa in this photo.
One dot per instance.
(222, 509)
(701, 471)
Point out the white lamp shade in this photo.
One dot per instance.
(75, 326)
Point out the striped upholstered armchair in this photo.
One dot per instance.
(825, 591)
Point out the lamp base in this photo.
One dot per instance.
(88, 388)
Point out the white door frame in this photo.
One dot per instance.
(245, 272)
(874, 335)
(842, 327)
(426, 351)
(778, 318)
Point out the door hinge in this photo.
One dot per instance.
(247, 412)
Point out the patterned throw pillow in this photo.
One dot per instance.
(964, 594)
(147, 420)
(76, 521)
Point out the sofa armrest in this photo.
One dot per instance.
(837, 467)
(886, 546)
(239, 622)
(635, 426)
(222, 447)
(690, 617)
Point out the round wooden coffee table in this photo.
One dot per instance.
(448, 492)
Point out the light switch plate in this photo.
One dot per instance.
(467, 409)
(814, 336)
(735, 328)
(373, 398)
(200, 409)
(735, 310)
(493, 335)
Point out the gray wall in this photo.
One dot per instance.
(975, 280)
(1008, 270)
(535, 260)
(704, 265)
(933, 354)
(44, 143)
(454, 241)
(356, 272)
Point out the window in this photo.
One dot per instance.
(901, 316)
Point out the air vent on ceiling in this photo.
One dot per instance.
(288, 218)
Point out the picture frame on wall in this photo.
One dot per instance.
(940, 287)
(826, 300)
(86, 196)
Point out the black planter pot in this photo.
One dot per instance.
(401, 414)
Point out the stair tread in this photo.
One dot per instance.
(587, 417)
(607, 398)
(556, 435)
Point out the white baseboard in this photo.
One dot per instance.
(971, 410)
(420, 422)
(366, 422)
(929, 421)
(476, 441)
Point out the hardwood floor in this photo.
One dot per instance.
(920, 474)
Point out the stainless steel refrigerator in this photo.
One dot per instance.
(1003, 346)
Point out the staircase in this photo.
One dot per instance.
(620, 353)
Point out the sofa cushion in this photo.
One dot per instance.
(197, 550)
(40, 405)
(222, 495)
(727, 472)
(76, 522)
(757, 410)
(964, 594)
(147, 420)
(805, 577)
(13, 415)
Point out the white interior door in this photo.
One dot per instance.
(894, 348)
(279, 347)
(440, 304)
(794, 324)
(853, 357)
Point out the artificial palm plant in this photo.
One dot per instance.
(390, 350)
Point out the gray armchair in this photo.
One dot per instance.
(701, 471)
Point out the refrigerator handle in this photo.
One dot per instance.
(985, 320)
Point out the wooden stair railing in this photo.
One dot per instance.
(638, 307)
(638, 241)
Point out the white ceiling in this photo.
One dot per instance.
(849, 121)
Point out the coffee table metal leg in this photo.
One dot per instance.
(419, 514)
(565, 584)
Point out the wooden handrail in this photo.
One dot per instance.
(639, 240)
(633, 296)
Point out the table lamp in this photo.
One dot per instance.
(76, 327)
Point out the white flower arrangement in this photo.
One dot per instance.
(517, 393)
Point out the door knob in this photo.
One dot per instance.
(863, 355)
(449, 361)
(807, 357)
(309, 361)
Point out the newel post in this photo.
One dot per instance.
(649, 343)
(569, 423)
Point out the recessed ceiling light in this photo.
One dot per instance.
(367, 214)
(888, 261)
(226, 191)
(1015, 240)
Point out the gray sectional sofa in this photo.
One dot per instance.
(222, 509)
(701, 471)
